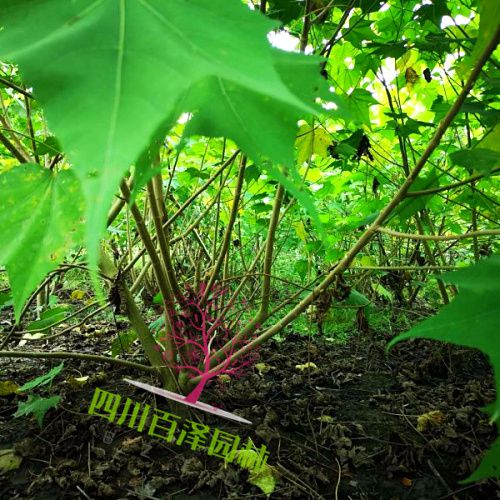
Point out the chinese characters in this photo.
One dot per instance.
(173, 429)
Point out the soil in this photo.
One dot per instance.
(343, 427)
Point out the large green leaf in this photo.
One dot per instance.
(411, 206)
(488, 24)
(471, 319)
(480, 159)
(312, 140)
(49, 318)
(109, 73)
(42, 215)
(265, 128)
(355, 107)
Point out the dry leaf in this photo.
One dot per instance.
(9, 461)
(405, 481)
(410, 76)
(262, 368)
(433, 418)
(8, 387)
(77, 382)
(77, 295)
(306, 366)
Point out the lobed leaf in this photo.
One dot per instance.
(42, 213)
(111, 73)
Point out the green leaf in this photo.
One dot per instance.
(285, 10)
(366, 6)
(300, 230)
(37, 406)
(491, 140)
(412, 205)
(411, 126)
(9, 461)
(394, 49)
(300, 267)
(489, 466)
(263, 127)
(471, 319)
(110, 73)
(356, 298)
(5, 299)
(312, 141)
(158, 298)
(252, 173)
(264, 480)
(480, 159)
(157, 324)
(433, 12)
(50, 146)
(355, 107)
(123, 342)
(49, 318)
(42, 214)
(488, 24)
(43, 324)
(43, 379)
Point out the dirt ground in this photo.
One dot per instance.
(347, 428)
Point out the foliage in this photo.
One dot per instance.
(41, 222)
(37, 405)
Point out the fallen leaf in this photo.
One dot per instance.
(9, 461)
(262, 368)
(264, 479)
(77, 295)
(433, 418)
(326, 419)
(306, 366)
(76, 382)
(405, 481)
(8, 387)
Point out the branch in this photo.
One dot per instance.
(12, 149)
(183, 206)
(448, 237)
(15, 87)
(156, 199)
(76, 355)
(425, 192)
(229, 228)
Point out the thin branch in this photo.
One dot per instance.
(229, 228)
(448, 237)
(184, 205)
(15, 87)
(12, 149)
(425, 192)
(76, 355)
